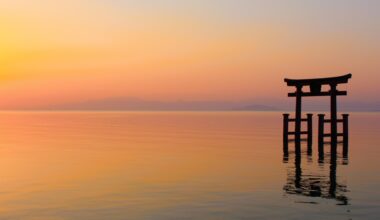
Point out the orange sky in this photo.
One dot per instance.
(69, 51)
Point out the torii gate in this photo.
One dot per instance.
(315, 86)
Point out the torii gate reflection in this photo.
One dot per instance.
(316, 184)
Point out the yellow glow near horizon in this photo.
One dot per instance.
(61, 52)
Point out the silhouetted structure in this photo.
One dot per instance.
(315, 89)
(311, 184)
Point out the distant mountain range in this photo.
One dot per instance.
(135, 104)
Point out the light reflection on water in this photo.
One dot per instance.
(178, 165)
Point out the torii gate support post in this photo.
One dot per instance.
(286, 129)
(309, 132)
(321, 128)
(286, 134)
(345, 135)
(297, 135)
(333, 122)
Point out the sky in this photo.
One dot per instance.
(57, 52)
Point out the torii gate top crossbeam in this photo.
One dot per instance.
(321, 81)
(316, 85)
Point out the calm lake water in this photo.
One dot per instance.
(180, 165)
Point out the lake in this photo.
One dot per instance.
(180, 165)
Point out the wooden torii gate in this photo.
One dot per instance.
(315, 86)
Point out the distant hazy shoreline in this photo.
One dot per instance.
(216, 111)
(136, 104)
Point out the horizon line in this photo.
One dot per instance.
(180, 110)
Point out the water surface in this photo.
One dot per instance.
(179, 165)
